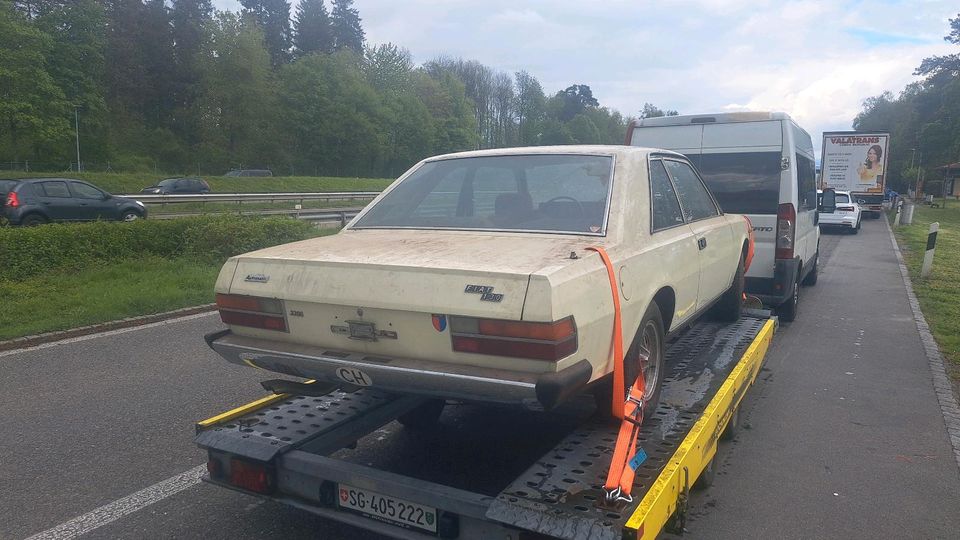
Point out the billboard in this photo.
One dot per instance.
(854, 161)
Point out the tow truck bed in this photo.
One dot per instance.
(280, 446)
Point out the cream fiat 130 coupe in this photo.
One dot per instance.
(471, 278)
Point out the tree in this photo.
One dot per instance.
(239, 95)
(273, 18)
(948, 65)
(576, 99)
(189, 19)
(388, 67)
(34, 112)
(312, 31)
(652, 111)
(530, 107)
(347, 32)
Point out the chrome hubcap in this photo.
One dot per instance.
(649, 358)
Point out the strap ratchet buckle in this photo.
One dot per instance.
(615, 496)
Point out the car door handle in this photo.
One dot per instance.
(702, 243)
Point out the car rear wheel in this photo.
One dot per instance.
(33, 220)
(130, 215)
(645, 353)
(731, 303)
(788, 309)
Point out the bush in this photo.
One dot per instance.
(27, 252)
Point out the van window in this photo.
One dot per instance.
(665, 208)
(694, 197)
(806, 183)
(743, 182)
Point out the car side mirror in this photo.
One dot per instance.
(107, 196)
(828, 202)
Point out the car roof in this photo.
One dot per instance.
(592, 149)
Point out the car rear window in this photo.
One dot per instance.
(564, 193)
(742, 182)
(843, 198)
(55, 189)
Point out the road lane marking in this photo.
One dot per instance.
(108, 333)
(111, 512)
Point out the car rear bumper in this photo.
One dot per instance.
(839, 221)
(406, 376)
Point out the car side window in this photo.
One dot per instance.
(665, 208)
(695, 200)
(55, 189)
(83, 191)
(806, 182)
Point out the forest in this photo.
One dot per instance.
(176, 86)
(923, 121)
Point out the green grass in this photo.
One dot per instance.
(63, 300)
(121, 183)
(939, 294)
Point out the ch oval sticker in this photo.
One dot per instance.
(354, 376)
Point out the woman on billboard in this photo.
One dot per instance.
(870, 169)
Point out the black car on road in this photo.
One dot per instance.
(178, 186)
(34, 201)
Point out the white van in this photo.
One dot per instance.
(759, 164)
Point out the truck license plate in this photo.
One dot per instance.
(386, 508)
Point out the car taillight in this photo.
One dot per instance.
(251, 476)
(845, 209)
(13, 201)
(252, 311)
(786, 230)
(516, 339)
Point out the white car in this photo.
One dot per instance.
(471, 277)
(847, 215)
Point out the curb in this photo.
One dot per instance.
(941, 383)
(39, 339)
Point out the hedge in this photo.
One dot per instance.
(26, 252)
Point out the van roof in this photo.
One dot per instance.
(713, 118)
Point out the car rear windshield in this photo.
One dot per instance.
(742, 182)
(563, 193)
(7, 185)
(843, 198)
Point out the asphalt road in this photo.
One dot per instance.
(845, 438)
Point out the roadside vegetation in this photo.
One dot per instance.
(939, 294)
(56, 277)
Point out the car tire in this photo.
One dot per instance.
(731, 303)
(423, 416)
(814, 274)
(856, 229)
(32, 220)
(130, 215)
(652, 333)
(788, 310)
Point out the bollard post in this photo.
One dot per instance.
(931, 246)
(896, 219)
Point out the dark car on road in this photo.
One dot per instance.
(34, 201)
(178, 186)
(250, 172)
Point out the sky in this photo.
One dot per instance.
(814, 60)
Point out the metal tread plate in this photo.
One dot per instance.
(560, 494)
(291, 423)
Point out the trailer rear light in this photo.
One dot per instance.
(786, 230)
(13, 200)
(516, 339)
(251, 476)
(252, 311)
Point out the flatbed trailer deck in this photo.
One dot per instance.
(279, 448)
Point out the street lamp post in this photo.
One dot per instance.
(76, 120)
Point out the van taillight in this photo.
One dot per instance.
(786, 230)
(13, 201)
(516, 339)
(252, 311)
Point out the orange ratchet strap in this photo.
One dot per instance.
(628, 408)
